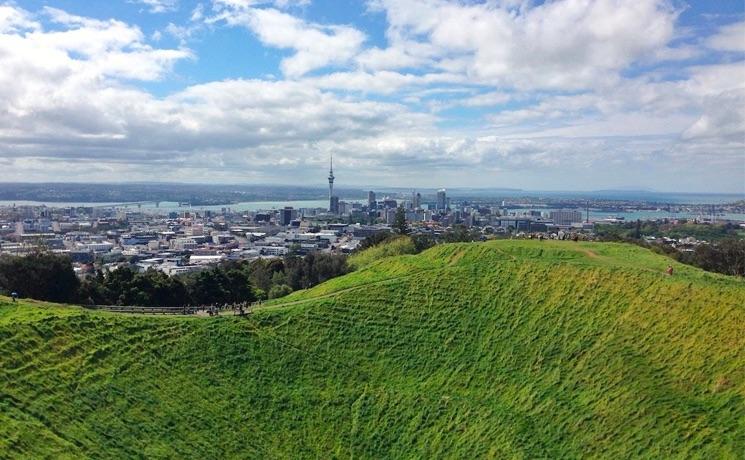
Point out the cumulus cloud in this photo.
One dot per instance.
(67, 82)
(66, 97)
(15, 20)
(315, 45)
(544, 87)
(562, 44)
(723, 119)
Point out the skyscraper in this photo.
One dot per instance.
(371, 199)
(416, 200)
(442, 202)
(286, 215)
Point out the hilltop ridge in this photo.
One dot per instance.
(501, 349)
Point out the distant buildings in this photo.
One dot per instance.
(371, 199)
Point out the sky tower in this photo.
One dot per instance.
(331, 176)
(333, 200)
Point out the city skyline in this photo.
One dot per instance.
(557, 95)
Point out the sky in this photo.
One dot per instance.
(537, 95)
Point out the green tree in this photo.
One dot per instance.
(727, 256)
(40, 275)
(422, 242)
(279, 290)
(399, 223)
(376, 239)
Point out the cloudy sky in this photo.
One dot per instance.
(542, 95)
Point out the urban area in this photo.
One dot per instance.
(106, 237)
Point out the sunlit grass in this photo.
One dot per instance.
(500, 349)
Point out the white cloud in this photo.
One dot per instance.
(729, 38)
(197, 14)
(159, 6)
(390, 59)
(64, 94)
(16, 20)
(562, 44)
(246, 4)
(486, 99)
(315, 45)
(723, 120)
(711, 80)
(553, 76)
(383, 82)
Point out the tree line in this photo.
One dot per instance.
(680, 229)
(46, 276)
(726, 256)
(725, 252)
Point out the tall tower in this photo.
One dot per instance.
(331, 182)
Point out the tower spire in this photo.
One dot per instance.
(331, 183)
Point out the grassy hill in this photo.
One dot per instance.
(518, 349)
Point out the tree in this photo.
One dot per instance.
(375, 239)
(728, 257)
(460, 234)
(422, 242)
(279, 290)
(399, 223)
(40, 275)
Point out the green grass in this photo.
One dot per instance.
(395, 247)
(506, 349)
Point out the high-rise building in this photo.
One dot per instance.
(371, 199)
(334, 205)
(286, 215)
(416, 200)
(441, 200)
(390, 216)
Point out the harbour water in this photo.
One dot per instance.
(595, 215)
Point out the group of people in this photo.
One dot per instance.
(239, 309)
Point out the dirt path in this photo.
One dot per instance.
(591, 254)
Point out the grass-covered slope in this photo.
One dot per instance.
(503, 349)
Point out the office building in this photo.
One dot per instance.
(286, 215)
(416, 200)
(334, 205)
(441, 200)
(566, 217)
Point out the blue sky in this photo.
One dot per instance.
(566, 94)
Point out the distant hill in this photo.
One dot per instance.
(504, 349)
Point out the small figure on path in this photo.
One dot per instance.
(669, 270)
(14, 295)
